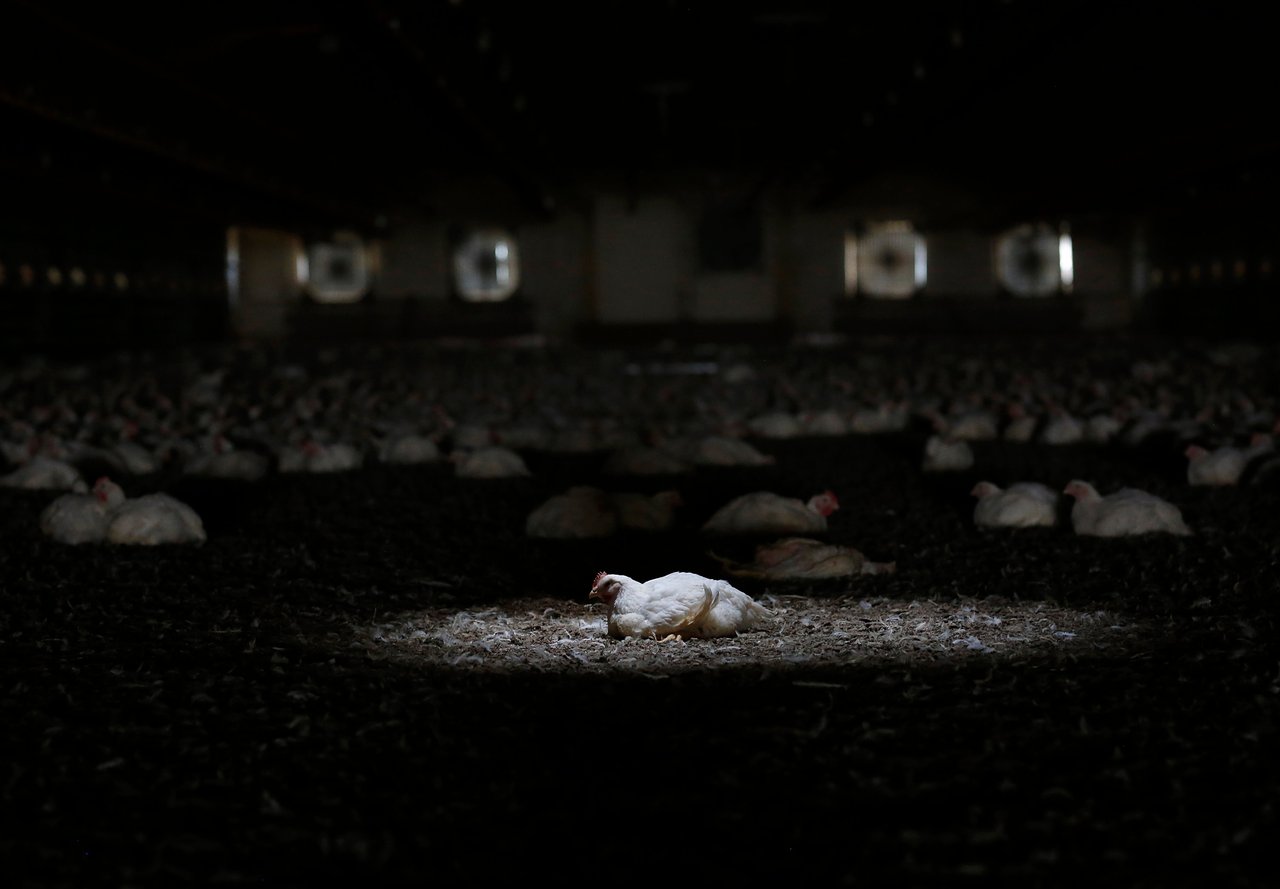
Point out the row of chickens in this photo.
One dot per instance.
(254, 413)
(289, 421)
(683, 604)
(585, 512)
(1220, 467)
(1123, 513)
(106, 515)
(250, 417)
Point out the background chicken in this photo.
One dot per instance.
(315, 456)
(721, 450)
(219, 458)
(1126, 512)
(106, 514)
(801, 558)
(44, 473)
(644, 461)
(80, 518)
(1021, 505)
(489, 462)
(946, 455)
(582, 512)
(764, 512)
(408, 449)
(646, 512)
(148, 520)
(1225, 465)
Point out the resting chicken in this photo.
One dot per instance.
(1124, 513)
(677, 605)
(1021, 505)
(800, 558)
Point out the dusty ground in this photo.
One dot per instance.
(545, 636)
(375, 678)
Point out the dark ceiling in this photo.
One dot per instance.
(347, 111)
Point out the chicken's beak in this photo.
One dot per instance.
(594, 594)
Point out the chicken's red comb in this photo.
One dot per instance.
(832, 495)
(599, 576)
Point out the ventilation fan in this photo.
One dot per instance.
(486, 266)
(891, 262)
(336, 271)
(1033, 261)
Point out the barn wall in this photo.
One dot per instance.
(268, 285)
(814, 265)
(643, 260)
(631, 258)
(619, 260)
(88, 279)
(556, 272)
(1104, 279)
(415, 263)
(734, 297)
(960, 265)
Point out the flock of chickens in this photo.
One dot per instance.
(246, 414)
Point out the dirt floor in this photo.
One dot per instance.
(374, 678)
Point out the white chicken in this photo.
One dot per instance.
(585, 512)
(526, 435)
(1061, 428)
(644, 461)
(801, 558)
(313, 456)
(677, 605)
(127, 457)
(886, 417)
(491, 462)
(1021, 505)
(220, 459)
(582, 512)
(108, 515)
(945, 455)
(723, 450)
(1102, 428)
(148, 520)
(1224, 466)
(45, 474)
(775, 424)
(471, 436)
(80, 518)
(974, 424)
(641, 512)
(408, 449)
(764, 512)
(1127, 512)
(824, 422)
(1022, 425)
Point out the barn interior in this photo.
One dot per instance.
(431, 311)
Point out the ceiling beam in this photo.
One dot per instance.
(510, 166)
(185, 158)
